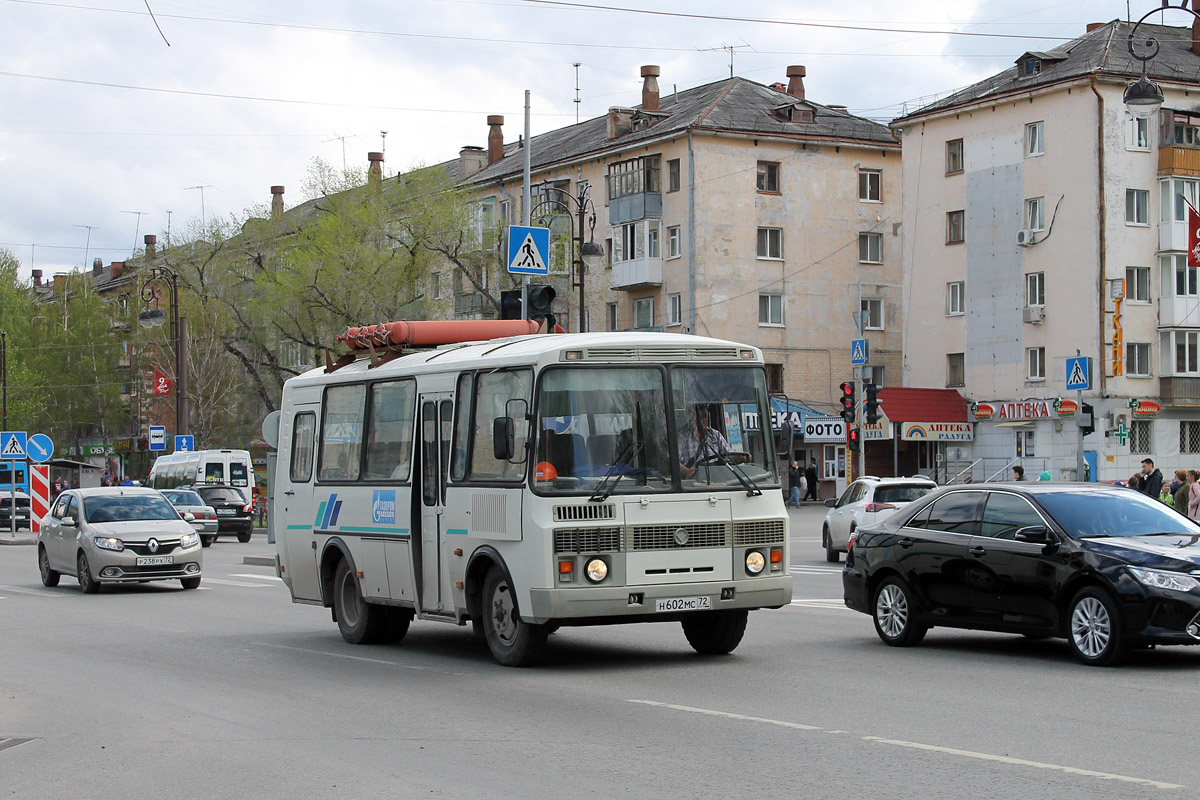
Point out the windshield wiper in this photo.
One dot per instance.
(603, 490)
(745, 480)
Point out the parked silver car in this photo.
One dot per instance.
(117, 534)
(204, 516)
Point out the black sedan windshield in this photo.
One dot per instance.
(1113, 513)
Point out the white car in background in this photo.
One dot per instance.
(865, 501)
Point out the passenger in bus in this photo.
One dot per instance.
(702, 442)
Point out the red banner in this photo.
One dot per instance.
(1193, 257)
(162, 383)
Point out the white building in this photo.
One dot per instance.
(1042, 219)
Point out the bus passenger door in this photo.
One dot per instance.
(435, 424)
(294, 523)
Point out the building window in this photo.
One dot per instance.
(954, 226)
(872, 313)
(955, 304)
(652, 241)
(1139, 436)
(1035, 143)
(1036, 358)
(770, 243)
(1137, 133)
(1031, 66)
(1137, 360)
(612, 316)
(1178, 279)
(1035, 289)
(1181, 128)
(870, 185)
(1035, 213)
(673, 175)
(1026, 444)
(1137, 207)
(608, 253)
(870, 248)
(1189, 436)
(774, 378)
(673, 249)
(955, 370)
(768, 176)
(1137, 284)
(643, 312)
(770, 309)
(628, 239)
(435, 286)
(954, 156)
(635, 176)
(1175, 195)
(674, 309)
(1187, 352)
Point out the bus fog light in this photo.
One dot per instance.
(597, 570)
(755, 562)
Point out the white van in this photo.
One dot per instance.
(227, 467)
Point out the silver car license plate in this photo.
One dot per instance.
(682, 604)
(154, 561)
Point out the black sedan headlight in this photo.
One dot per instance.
(1161, 579)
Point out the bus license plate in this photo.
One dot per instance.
(154, 561)
(682, 604)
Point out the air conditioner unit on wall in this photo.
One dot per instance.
(1033, 315)
(1026, 238)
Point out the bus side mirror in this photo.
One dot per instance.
(783, 446)
(503, 438)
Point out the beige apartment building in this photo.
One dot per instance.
(1043, 220)
(734, 210)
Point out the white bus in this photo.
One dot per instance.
(530, 482)
(198, 467)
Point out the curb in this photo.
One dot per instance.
(21, 539)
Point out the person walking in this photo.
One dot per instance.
(1183, 495)
(1150, 481)
(1193, 506)
(795, 479)
(810, 475)
(1018, 473)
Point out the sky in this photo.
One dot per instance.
(114, 112)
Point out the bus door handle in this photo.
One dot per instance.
(289, 491)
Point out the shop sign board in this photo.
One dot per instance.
(937, 432)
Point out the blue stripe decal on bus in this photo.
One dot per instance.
(457, 531)
(337, 509)
(299, 527)
(357, 529)
(329, 504)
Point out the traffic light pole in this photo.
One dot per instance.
(526, 206)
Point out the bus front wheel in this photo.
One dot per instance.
(358, 621)
(513, 642)
(715, 633)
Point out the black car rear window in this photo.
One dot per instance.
(1113, 513)
(215, 495)
(901, 493)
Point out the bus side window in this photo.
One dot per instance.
(462, 426)
(389, 430)
(342, 434)
(304, 430)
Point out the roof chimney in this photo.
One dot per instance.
(650, 74)
(1093, 26)
(60, 283)
(375, 170)
(495, 138)
(37, 277)
(470, 160)
(151, 247)
(97, 266)
(276, 202)
(118, 269)
(796, 75)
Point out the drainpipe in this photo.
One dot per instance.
(1100, 278)
(691, 236)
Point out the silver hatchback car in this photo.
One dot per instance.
(117, 534)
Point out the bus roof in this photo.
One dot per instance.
(545, 349)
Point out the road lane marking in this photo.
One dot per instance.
(221, 582)
(259, 577)
(365, 659)
(1021, 762)
(1016, 762)
(33, 592)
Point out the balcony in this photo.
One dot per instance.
(644, 205)
(1180, 391)
(1179, 312)
(1179, 160)
(637, 273)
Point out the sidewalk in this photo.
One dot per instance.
(22, 537)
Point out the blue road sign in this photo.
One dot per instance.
(40, 447)
(158, 437)
(185, 444)
(12, 444)
(859, 351)
(528, 250)
(1079, 373)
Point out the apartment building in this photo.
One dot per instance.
(1042, 220)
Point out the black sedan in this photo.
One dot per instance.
(1105, 567)
(232, 507)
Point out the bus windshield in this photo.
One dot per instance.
(718, 416)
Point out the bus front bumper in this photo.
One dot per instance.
(621, 603)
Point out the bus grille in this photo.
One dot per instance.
(762, 531)
(587, 540)
(590, 511)
(663, 537)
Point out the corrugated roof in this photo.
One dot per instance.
(913, 404)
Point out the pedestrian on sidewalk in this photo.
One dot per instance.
(1183, 495)
(1151, 479)
(810, 476)
(1193, 506)
(795, 482)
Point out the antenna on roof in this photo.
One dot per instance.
(730, 48)
(577, 101)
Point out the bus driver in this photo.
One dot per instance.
(704, 442)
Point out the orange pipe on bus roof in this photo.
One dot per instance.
(430, 333)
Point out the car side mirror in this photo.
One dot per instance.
(504, 440)
(831, 502)
(68, 522)
(1033, 534)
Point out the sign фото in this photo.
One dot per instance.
(824, 429)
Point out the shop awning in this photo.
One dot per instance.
(796, 411)
(913, 404)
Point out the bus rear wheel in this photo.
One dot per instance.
(715, 633)
(513, 642)
(358, 621)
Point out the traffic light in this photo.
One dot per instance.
(510, 304)
(540, 298)
(1087, 419)
(852, 439)
(871, 404)
(848, 402)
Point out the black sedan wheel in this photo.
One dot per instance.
(894, 612)
(1094, 629)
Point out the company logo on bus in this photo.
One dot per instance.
(383, 507)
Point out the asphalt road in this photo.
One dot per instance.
(233, 691)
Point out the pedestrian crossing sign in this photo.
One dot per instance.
(12, 444)
(528, 250)
(1079, 373)
(858, 352)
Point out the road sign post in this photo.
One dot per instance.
(1079, 377)
(158, 437)
(185, 444)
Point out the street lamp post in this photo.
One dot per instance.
(155, 317)
(585, 254)
(1144, 97)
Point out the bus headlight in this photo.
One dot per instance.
(755, 562)
(597, 570)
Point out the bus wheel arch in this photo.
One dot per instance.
(478, 567)
(335, 552)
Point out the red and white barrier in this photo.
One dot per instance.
(39, 494)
